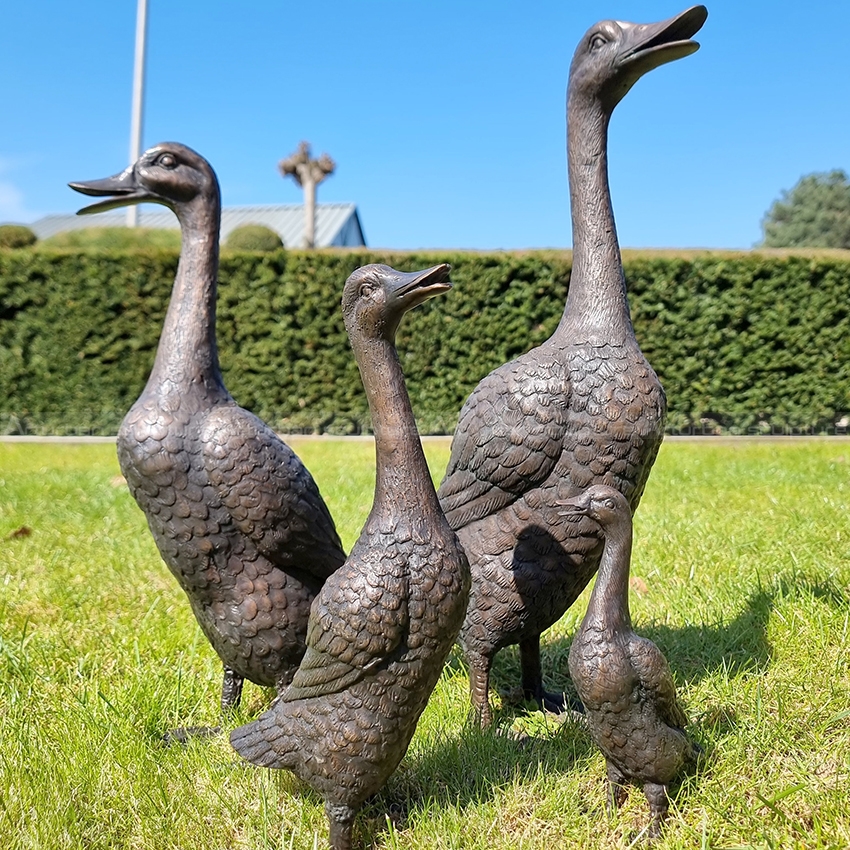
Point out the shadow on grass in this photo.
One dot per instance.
(473, 766)
(694, 652)
(454, 770)
(463, 769)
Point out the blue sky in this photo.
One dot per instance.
(445, 118)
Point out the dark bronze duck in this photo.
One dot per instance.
(383, 624)
(583, 407)
(236, 516)
(622, 679)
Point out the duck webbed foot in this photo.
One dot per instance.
(231, 696)
(186, 733)
(556, 703)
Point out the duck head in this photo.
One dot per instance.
(601, 503)
(376, 297)
(613, 55)
(168, 173)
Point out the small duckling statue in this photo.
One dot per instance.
(622, 679)
(382, 626)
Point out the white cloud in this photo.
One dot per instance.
(11, 203)
(13, 207)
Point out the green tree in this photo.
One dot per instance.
(814, 214)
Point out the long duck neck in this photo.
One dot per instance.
(596, 310)
(402, 476)
(608, 608)
(187, 352)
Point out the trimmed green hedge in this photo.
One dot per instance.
(744, 343)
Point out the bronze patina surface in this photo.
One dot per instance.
(623, 680)
(384, 623)
(235, 515)
(584, 407)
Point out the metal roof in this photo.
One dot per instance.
(337, 225)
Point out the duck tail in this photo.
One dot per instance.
(263, 742)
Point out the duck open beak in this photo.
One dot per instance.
(122, 190)
(652, 45)
(414, 288)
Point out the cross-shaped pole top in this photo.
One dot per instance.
(307, 173)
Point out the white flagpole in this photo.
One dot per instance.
(138, 98)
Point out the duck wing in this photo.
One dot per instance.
(508, 439)
(269, 493)
(358, 620)
(656, 681)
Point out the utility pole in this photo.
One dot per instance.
(307, 173)
(138, 98)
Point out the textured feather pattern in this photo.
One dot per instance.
(237, 519)
(270, 495)
(534, 432)
(384, 623)
(379, 634)
(633, 714)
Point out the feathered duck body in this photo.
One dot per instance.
(548, 425)
(237, 518)
(584, 407)
(626, 687)
(382, 626)
(622, 679)
(387, 620)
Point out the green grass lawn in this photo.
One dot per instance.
(741, 574)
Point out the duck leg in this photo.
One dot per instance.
(616, 788)
(341, 822)
(659, 805)
(231, 695)
(479, 688)
(532, 680)
(231, 690)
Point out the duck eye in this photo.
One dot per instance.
(366, 290)
(598, 41)
(167, 160)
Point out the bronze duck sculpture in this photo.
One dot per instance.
(383, 624)
(583, 407)
(622, 679)
(236, 516)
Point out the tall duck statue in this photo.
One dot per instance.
(236, 516)
(584, 407)
(384, 623)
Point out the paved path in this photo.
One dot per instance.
(673, 438)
